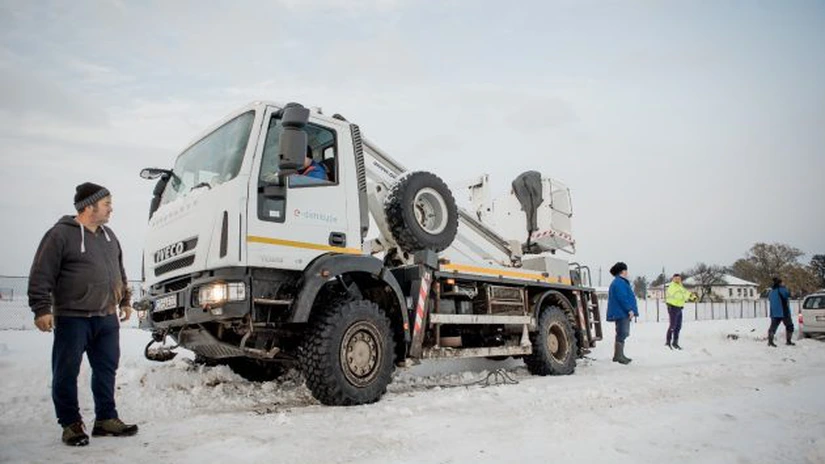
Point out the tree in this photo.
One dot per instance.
(660, 280)
(705, 277)
(765, 261)
(800, 280)
(818, 268)
(640, 286)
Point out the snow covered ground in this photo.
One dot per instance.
(721, 400)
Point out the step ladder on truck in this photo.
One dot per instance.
(348, 274)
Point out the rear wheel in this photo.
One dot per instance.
(347, 358)
(554, 345)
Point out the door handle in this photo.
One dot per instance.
(338, 239)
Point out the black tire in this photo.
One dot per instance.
(255, 370)
(358, 328)
(421, 213)
(554, 345)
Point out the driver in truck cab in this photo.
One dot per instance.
(312, 168)
(312, 172)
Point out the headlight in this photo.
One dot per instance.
(218, 293)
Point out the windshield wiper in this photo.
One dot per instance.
(202, 184)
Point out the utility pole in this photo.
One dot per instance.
(600, 276)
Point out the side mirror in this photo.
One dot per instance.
(154, 173)
(292, 145)
(163, 176)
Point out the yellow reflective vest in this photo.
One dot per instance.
(678, 295)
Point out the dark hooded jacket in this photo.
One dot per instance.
(77, 272)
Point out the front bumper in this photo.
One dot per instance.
(180, 307)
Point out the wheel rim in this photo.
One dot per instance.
(430, 211)
(361, 353)
(557, 344)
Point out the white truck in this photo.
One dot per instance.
(250, 264)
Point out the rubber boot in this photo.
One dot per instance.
(676, 345)
(788, 339)
(618, 354)
(770, 340)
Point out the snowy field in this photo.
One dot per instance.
(721, 400)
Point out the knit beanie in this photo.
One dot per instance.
(87, 194)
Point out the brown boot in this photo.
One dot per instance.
(75, 434)
(113, 428)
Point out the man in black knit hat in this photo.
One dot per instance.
(77, 286)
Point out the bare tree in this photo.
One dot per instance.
(765, 261)
(705, 277)
(800, 280)
(817, 266)
(640, 286)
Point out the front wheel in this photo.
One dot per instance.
(347, 358)
(554, 345)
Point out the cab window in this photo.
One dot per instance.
(320, 167)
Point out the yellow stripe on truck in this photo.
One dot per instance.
(504, 273)
(305, 245)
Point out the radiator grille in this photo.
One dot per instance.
(175, 265)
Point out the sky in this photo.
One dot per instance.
(687, 131)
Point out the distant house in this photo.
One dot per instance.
(732, 289)
(601, 292)
(656, 293)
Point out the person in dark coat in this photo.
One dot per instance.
(621, 307)
(77, 286)
(779, 298)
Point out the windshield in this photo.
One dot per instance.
(211, 161)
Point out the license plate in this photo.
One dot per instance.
(166, 302)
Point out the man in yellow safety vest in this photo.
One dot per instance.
(677, 296)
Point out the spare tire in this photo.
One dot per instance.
(421, 213)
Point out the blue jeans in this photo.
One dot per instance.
(99, 338)
(622, 329)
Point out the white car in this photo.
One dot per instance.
(812, 315)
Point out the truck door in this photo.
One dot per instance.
(290, 225)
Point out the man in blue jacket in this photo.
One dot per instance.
(77, 285)
(621, 307)
(311, 173)
(779, 297)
